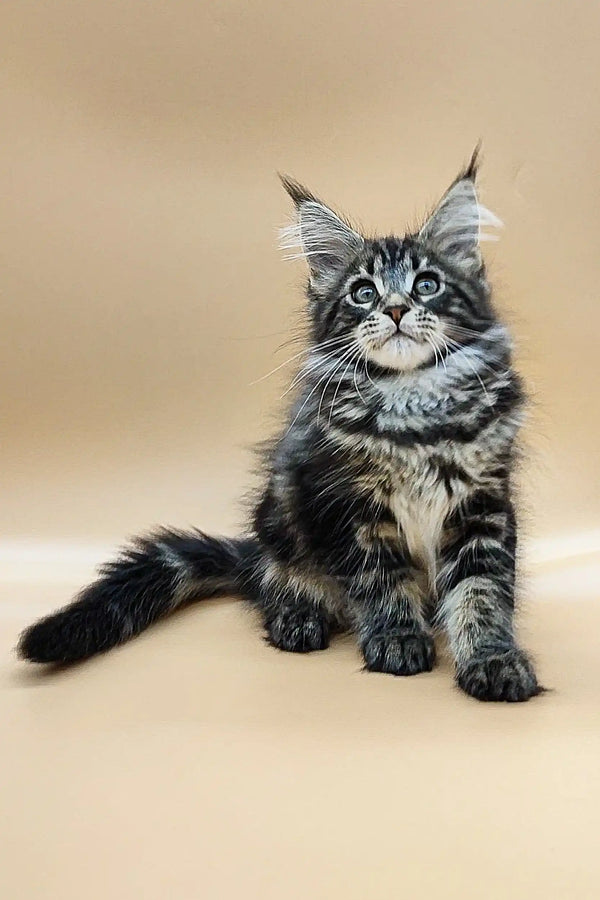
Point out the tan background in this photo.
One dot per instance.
(142, 291)
(141, 295)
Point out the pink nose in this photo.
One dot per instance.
(395, 313)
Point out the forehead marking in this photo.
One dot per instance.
(392, 277)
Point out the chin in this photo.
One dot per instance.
(402, 354)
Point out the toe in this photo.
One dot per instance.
(298, 632)
(406, 654)
(499, 676)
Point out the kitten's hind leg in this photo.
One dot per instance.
(297, 608)
(298, 628)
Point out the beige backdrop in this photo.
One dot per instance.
(141, 295)
(142, 292)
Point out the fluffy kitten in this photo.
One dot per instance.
(386, 508)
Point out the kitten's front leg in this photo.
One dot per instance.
(391, 629)
(476, 586)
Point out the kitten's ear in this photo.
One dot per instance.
(319, 235)
(456, 226)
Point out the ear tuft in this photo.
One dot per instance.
(295, 190)
(456, 226)
(319, 235)
(472, 167)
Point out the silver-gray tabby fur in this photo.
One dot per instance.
(387, 504)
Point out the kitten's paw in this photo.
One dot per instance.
(406, 654)
(298, 631)
(507, 676)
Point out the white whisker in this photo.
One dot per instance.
(338, 386)
(307, 398)
(343, 358)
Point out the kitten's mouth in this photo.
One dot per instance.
(400, 336)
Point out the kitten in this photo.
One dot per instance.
(386, 508)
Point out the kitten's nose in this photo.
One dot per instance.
(395, 313)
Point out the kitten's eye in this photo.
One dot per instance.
(426, 285)
(364, 292)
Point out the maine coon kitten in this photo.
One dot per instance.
(386, 508)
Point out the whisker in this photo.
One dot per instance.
(307, 398)
(277, 368)
(309, 369)
(291, 359)
(445, 348)
(432, 344)
(475, 373)
(367, 369)
(460, 348)
(324, 391)
(338, 387)
(358, 359)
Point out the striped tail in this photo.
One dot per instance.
(150, 579)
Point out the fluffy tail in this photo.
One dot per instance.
(152, 577)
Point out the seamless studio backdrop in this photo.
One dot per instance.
(143, 298)
(142, 288)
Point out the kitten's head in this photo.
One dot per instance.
(404, 301)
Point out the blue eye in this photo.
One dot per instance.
(364, 292)
(426, 285)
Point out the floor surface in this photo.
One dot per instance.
(197, 762)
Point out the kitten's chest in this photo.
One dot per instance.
(419, 503)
